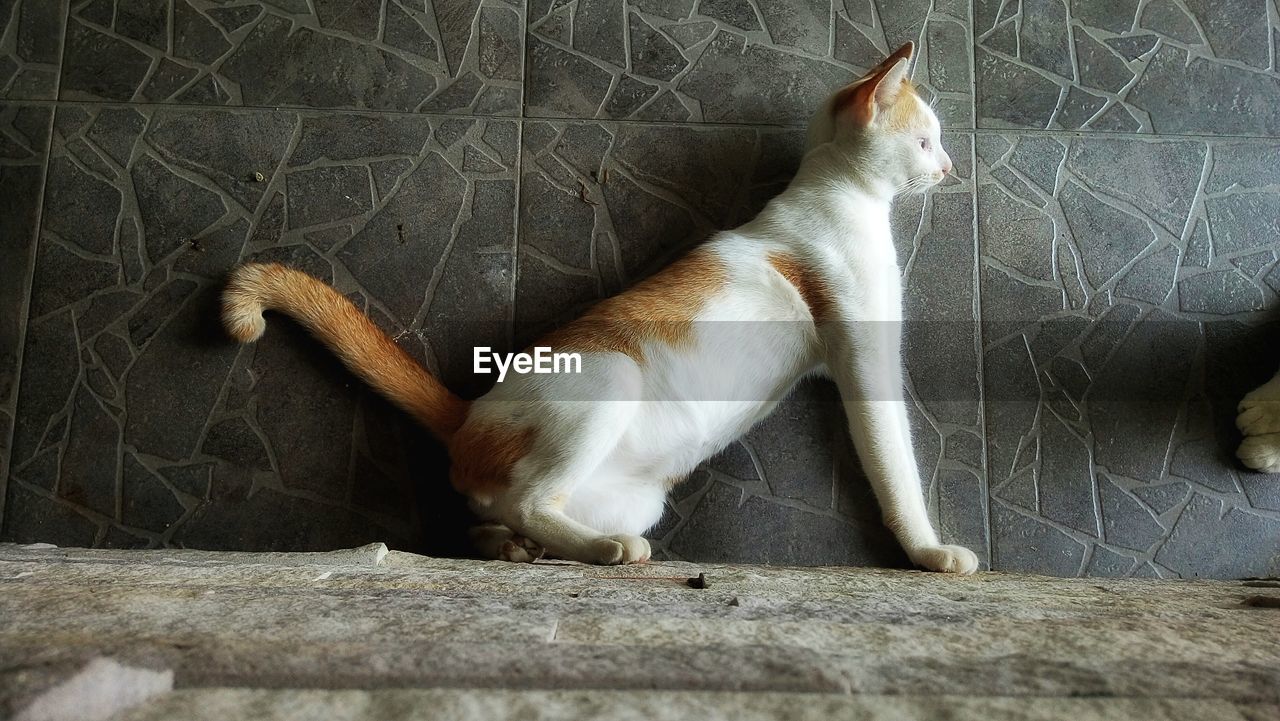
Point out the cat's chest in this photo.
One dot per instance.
(867, 290)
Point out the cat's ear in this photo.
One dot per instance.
(903, 53)
(876, 90)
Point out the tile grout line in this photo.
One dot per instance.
(519, 179)
(24, 310)
(304, 109)
(515, 241)
(984, 482)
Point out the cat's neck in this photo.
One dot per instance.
(836, 198)
(843, 169)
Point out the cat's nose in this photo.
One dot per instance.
(946, 165)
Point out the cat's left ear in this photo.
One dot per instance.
(876, 90)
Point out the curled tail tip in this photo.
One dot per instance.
(243, 301)
(244, 325)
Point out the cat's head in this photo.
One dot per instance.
(881, 111)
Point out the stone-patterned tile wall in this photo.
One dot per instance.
(752, 61)
(1124, 316)
(451, 56)
(1087, 297)
(1160, 66)
(140, 422)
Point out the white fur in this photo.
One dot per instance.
(610, 461)
(1259, 420)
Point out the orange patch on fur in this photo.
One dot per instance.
(905, 113)
(660, 308)
(482, 457)
(812, 288)
(902, 114)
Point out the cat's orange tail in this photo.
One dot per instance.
(333, 319)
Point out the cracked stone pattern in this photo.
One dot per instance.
(141, 425)
(1123, 317)
(447, 56)
(30, 43)
(604, 204)
(1161, 66)
(757, 61)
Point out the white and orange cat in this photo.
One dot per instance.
(685, 362)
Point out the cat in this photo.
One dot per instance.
(1259, 421)
(686, 361)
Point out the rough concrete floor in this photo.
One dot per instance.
(370, 634)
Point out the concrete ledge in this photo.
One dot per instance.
(368, 555)
(469, 705)
(385, 627)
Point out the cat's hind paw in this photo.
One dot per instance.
(520, 550)
(946, 559)
(497, 542)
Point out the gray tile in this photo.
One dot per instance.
(141, 419)
(30, 48)
(1116, 348)
(771, 61)
(24, 142)
(446, 57)
(1154, 67)
(604, 204)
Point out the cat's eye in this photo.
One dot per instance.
(924, 143)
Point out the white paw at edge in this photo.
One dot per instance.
(1259, 420)
(946, 559)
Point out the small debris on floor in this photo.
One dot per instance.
(258, 177)
(582, 194)
(196, 245)
(699, 582)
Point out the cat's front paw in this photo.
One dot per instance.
(1261, 452)
(946, 559)
(1259, 421)
(620, 549)
(1259, 414)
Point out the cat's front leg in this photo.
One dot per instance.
(864, 361)
(1259, 421)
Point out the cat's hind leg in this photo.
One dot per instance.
(1259, 421)
(574, 439)
(535, 504)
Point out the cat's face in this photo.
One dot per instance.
(916, 143)
(883, 111)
